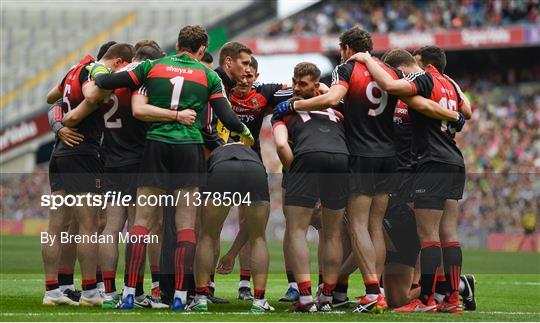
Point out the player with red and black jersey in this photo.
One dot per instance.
(439, 174)
(123, 144)
(77, 169)
(318, 167)
(253, 101)
(369, 132)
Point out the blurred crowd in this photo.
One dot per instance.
(381, 16)
(501, 146)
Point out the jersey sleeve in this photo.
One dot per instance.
(342, 74)
(276, 120)
(139, 73)
(456, 86)
(60, 85)
(421, 82)
(280, 96)
(84, 76)
(215, 86)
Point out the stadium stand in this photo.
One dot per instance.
(39, 45)
(334, 16)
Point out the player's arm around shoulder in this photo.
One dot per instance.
(429, 108)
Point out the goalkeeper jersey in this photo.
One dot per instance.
(178, 83)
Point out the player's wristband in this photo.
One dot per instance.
(57, 126)
(292, 108)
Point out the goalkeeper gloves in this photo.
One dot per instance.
(97, 69)
(245, 136)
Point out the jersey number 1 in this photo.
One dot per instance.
(178, 83)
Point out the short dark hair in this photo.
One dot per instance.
(103, 49)
(123, 51)
(398, 57)
(254, 63)
(146, 42)
(432, 55)
(232, 49)
(191, 38)
(207, 58)
(307, 69)
(147, 52)
(357, 39)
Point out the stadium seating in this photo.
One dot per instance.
(34, 40)
(333, 16)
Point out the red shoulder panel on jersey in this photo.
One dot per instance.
(168, 71)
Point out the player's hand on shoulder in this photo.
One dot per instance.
(361, 57)
(70, 136)
(186, 117)
(96, 69)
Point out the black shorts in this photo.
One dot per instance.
(372, 175)
(318, 175)
(122, 179)
(76, 174)
(404, 182)
(170, 167)
(233, 176)
(437, 181)
(400, 225)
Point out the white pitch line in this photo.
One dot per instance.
(508, 313)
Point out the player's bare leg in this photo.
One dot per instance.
(59, 219)
(244, 258)
(452, 256)
(108, 252)
(212, 221)
(362, 246)
(331, 253)
(398, 279)
(377, 211)
(427, 225)
(297, 222)
(256, 218)
(87, 254)
(68, 258)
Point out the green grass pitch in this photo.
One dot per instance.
(508, 289)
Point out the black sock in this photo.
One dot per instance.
(290, 277)
(453, 259)
(430, 261)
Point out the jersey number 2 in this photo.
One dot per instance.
(117, 123)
